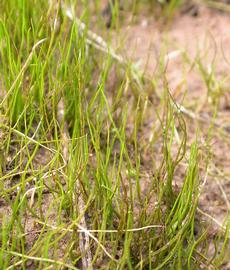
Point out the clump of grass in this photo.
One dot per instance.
(132, 222)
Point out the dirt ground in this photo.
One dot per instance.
(204, 35)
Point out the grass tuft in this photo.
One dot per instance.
(88, 164)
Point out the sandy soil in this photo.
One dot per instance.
(188, 38)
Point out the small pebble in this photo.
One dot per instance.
(144, 23)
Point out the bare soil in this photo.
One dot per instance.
(184, 42)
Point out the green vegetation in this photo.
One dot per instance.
(108, 162)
